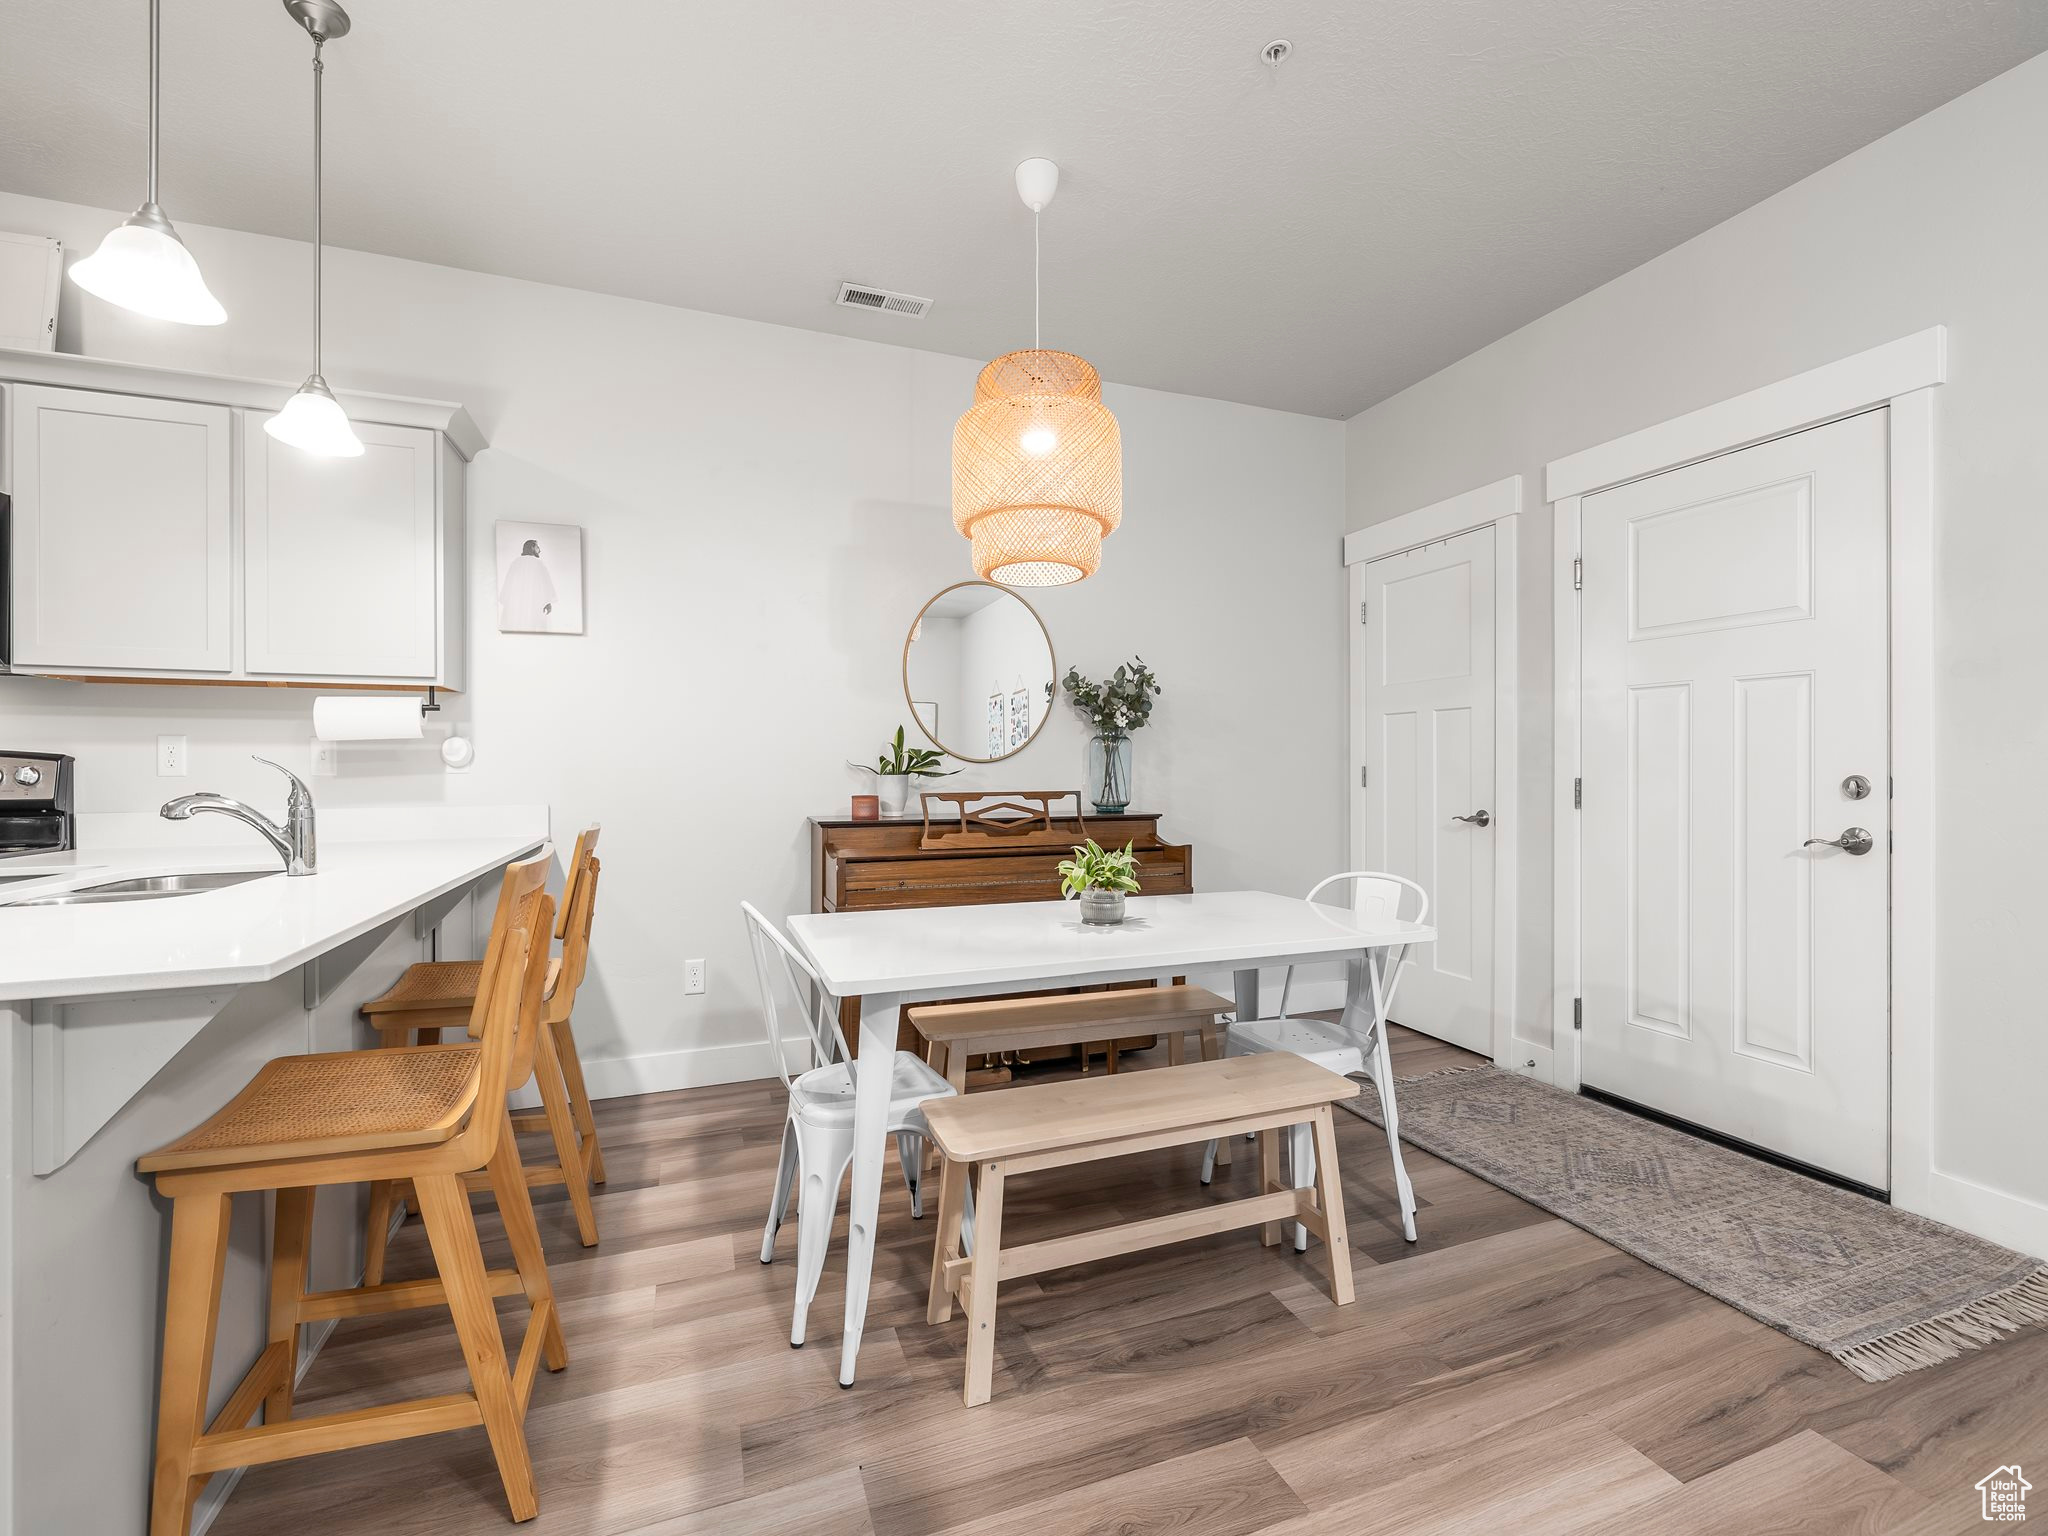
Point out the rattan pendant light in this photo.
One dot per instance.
(1038, 465)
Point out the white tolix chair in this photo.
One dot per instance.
(817, 1138)
(1356, 1043)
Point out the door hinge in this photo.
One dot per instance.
(1578, 794)
(1361, 613)
(1578, 1013)
(1361, 776)
(1578, 573)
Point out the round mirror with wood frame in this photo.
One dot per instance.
(979, 673)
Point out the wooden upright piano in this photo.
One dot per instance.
(858, 865)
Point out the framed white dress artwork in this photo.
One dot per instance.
(540, 578)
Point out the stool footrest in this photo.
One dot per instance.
(333, 1432)
(393, 1296)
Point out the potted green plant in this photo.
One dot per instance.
(895, 769)
(1100, 877)
(1115, 707)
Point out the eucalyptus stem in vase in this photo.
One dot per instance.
(1115, 707)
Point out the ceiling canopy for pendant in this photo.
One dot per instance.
(1037, 460)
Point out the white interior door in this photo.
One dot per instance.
(1734, 691)
(1428, 706)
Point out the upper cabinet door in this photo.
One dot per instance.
(122, 532)
(340, 557)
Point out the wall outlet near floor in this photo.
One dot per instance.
(693, 976)
(172, 757)
(326, 761)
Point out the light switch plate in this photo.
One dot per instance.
(173, 756)
(326, 761)
(693, 976)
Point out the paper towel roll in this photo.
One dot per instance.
(367, 717)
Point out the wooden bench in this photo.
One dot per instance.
(997, 1136)
(955, 1031)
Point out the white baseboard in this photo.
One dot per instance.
(2011, 1220)
(619, 1077)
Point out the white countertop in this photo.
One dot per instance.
(242, 933)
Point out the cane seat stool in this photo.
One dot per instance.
(439, 995)
(427, 1114)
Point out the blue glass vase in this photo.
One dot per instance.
(1109, 772)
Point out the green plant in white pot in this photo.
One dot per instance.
(1101, 878)
(895, 769)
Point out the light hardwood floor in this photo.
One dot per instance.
(1506, 1373)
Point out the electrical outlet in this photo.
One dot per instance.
(172, 754)
(326, 759)
(693, 976)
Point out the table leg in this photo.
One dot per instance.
(1365, 1007)
(872, 1070)
(1247, 996)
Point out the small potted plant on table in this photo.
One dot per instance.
(1100, 878)
(895, 769)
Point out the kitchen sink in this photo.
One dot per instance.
(146, 888)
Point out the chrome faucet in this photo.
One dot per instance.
(293, 841)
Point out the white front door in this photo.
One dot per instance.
(1429, 807)
(1734, 634)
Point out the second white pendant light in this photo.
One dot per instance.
(313, 419)
(142, 265)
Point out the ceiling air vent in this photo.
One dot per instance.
(858, 296)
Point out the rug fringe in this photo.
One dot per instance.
(1919, 1345)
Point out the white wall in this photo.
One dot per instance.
(1943, 222)
(765, 510)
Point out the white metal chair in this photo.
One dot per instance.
(817, 1138)
(1354, 1044)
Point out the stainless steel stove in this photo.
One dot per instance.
(36, 814)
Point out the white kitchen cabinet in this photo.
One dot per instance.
(158, 531)
(342, 559)
(121, 542)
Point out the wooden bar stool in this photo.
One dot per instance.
(437, 995)
(429, 1114)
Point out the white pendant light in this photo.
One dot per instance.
(313, 419)
(142, 265)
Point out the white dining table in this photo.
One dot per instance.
(921, 954)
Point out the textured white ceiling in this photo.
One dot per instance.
(1420, 178)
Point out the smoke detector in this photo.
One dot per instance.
(865, 296)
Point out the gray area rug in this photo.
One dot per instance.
(1882, 1291)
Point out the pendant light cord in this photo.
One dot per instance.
(319, 184)
(155, 71)
(1034, 274)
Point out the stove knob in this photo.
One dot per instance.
(26, 774)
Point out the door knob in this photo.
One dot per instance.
(1856, 840)
(1477, 818)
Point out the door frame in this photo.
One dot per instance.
(1497, 506)
(1899, 377)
